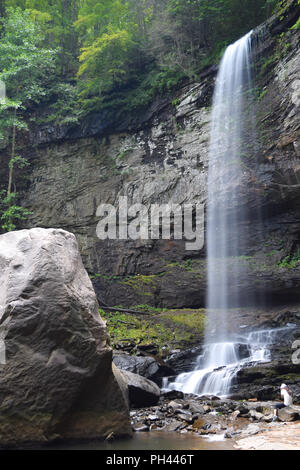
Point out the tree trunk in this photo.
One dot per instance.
(12, 156)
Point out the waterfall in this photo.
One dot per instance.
(232, 124)
(218, 365)
(232, 151)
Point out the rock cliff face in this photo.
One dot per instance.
(162, 159)
(56, 379)
(158, 157)
(161, 156)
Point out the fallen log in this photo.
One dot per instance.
(123, 310)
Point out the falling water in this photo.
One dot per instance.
(219, 363)
(232, 125)
(232, 147)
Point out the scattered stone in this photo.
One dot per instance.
(142, 392)
(207, 426)
(145, 366)
(175, 405)
(174, 426)
(268, 418)
(297, 148)
(251, 430)
(172, 395)
(196, 408)
(142, 428)
(288, 414)
(183, 412)
(149, 348)
(210, 397)
(199, 424)
(188, 418)
(152, 417)
(255, 415)
(207, 408)
(234, 415)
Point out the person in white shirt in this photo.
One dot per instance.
(286, 393)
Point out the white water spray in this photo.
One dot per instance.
(232, 144)
(218, 365)
(226, 207)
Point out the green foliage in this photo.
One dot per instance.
(64, 105)
(104, 62)
(18, 161)
(25, 68)
(296, 25)
(10, 212)
(57, 20)
(166, 329)
(115, 55)
(262, 94)
(291, 261)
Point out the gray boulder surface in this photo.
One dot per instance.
(145, 366)
(142, 392)
(57, 380)
(288, 414)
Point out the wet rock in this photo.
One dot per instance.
(181, 361)
(207, 408)
(235, 415)
(200, 423)
(125, 346)
(57, 382)
(174, 426)
(122, 384)
(251, 430)
(210, 398)
(268, 418)
(186, 418)
(141, 428)
(142, 392)
(172, 395)
(145, 366)
(196, 408)
(288, 414)
(153, 417)
(184, 415)
(175, 405)
(207, 426)
(255, 415)
(262, 381)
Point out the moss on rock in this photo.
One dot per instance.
(165, 329)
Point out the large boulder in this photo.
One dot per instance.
(141, 391)
(57, 380)
(146, 366)
(288, 414)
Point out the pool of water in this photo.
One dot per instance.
(155, 441)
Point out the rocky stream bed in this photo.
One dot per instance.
(247, 424)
